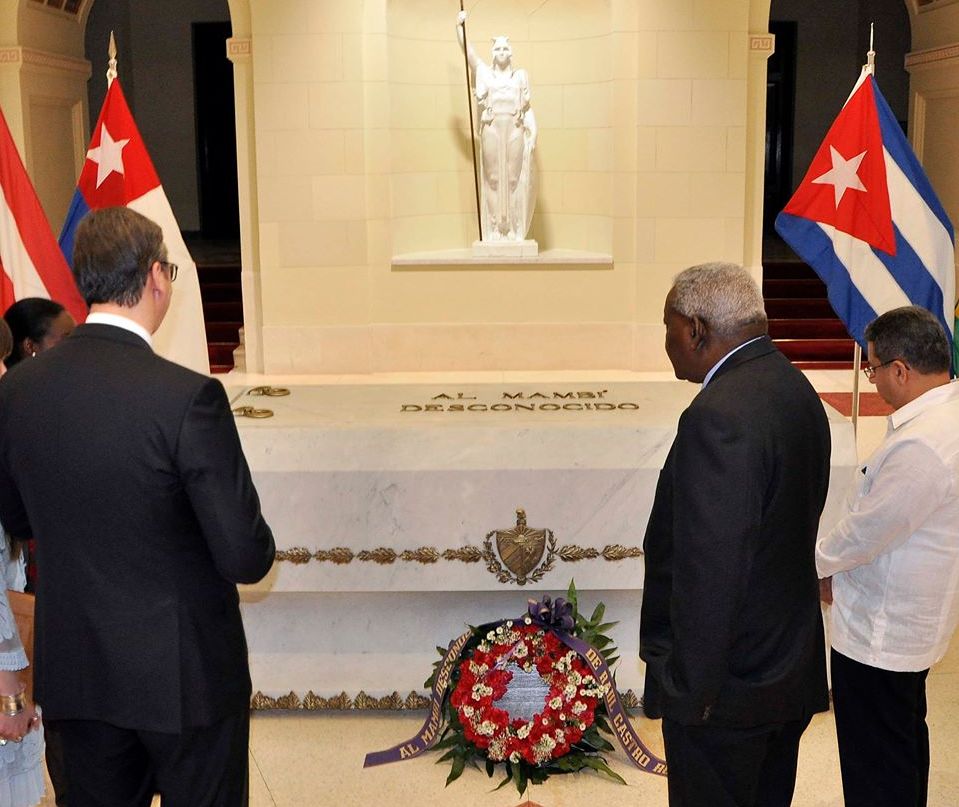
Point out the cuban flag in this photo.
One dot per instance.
(118, 172)
(31, 264)
(866, 219)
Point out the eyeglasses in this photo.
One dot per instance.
(171, 268)
(870, 371)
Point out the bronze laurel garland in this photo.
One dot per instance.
(311, 702)
(341, 555)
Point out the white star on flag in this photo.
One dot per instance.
(843, 174)
(108, 155)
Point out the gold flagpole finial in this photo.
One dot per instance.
(112, 64)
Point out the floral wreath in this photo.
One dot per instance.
(532, 694)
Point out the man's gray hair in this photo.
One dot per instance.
(722, 295)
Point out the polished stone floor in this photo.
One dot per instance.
(301, 761)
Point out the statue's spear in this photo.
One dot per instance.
(469, 105)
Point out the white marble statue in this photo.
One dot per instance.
(507, 138)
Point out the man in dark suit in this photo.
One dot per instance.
(128, 471)
(731, 628)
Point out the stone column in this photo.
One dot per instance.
(249, 356)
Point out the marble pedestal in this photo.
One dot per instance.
(505, 249)
(385, 501)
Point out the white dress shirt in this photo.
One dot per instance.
(894, 555)
(714, 369)
(102, 318)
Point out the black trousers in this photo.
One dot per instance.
(108, 766)
(720, 766)
(883, 737)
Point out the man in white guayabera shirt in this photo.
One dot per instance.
(891, 567)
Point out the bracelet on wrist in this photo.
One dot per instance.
(12, 705)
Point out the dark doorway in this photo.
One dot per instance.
(215, 131)
(780, 114)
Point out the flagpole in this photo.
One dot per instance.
(870, 69)
(112, 64)
(469, 104)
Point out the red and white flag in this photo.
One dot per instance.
(119, 172)
(31, 264)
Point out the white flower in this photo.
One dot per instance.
(582, 727)
(569, 691)
(527, 620)
(562, 716)
(575, 678)
(521, 651)
(555, 703)
(514, 757)
(468, 711)
(578, 708)
(523, 731)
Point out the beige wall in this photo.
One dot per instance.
(43, 97)
(933, 65)
(362, 153)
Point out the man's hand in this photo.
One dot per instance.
(825, 590)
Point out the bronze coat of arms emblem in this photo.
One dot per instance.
(521, 549)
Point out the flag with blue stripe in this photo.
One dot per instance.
(867, 220)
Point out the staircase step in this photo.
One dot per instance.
(221, 352)
(816, 349)
(218, 272)
(794, 287)
(223, 331)
(229, 311)
(220, 292)
(786, 308)
(787, 270)
(807, 329)
(823, 365)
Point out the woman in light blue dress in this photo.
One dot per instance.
(21, 738)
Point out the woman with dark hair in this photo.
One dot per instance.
(21, 741)
(37, 324)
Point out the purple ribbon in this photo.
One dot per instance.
(557, 615)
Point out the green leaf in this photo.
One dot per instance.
(456, 771)
(519, 776)
(605, 627)
(448, 755)
(490, 767)
(571, 594)
(598, 613)
(506, 781)
(599, 764)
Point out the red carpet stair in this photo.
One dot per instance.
(802, 323)
(222, 298)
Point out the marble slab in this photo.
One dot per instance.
(385, 500)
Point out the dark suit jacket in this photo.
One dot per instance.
(128, 471)
(731, 628)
